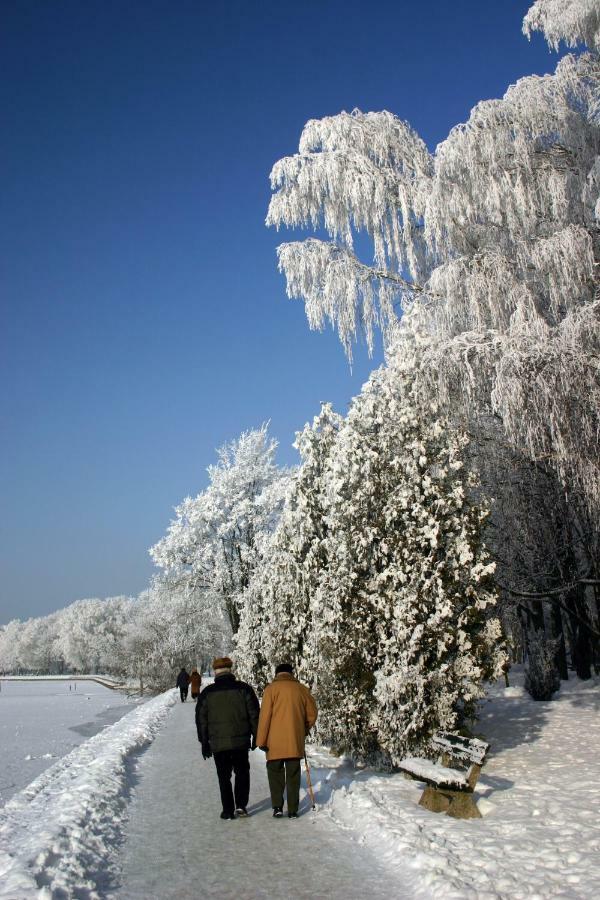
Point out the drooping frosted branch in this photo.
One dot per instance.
(518, 168)
(541, 382)
(338, 288)
(572, 21)
(357, 171)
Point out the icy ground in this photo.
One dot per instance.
(177, 847)
(41, 721)
(110, 821)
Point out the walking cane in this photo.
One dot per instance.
(309, 782)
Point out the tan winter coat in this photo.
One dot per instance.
(287, 714)
(195, 681)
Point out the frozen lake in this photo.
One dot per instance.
(40, 721)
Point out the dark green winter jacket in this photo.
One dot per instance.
(227, 714)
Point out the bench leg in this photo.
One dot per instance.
(458, 804)
(463, 806)
(434, 801)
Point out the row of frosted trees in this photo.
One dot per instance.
(365, 567)
(376, 584)
(141, 640)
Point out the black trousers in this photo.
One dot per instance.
(228, 761)
(284, 774)
(183, 694)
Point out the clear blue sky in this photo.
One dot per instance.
(143, 319)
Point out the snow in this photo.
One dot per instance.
(428, 771)
(42, 719)
(177, 846)
(106, 680)
(57, 836)
(471, 750)
(538, 793)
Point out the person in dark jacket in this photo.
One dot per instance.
(183, 683)
(226, 720)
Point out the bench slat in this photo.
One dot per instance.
(440, 776)
(471, 749)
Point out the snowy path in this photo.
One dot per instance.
(177, 846)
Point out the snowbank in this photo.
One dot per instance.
(42, 721)
(539, 795)
(64, 827)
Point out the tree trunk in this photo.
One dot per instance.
(582, 646)
(559, 634)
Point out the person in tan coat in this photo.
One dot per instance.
(287, 714)
(195, 682)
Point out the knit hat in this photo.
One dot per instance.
(284, 667)
(222, 662)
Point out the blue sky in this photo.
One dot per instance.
(143, 321)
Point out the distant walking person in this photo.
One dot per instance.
(183, 683)
(287, 714)
(226, 720)
(195, 682)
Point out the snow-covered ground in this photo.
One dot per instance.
(109, 822)
(177, 847)
(58, 835)
(539, 794)
(42, 720)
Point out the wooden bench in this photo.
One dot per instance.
(450, 789)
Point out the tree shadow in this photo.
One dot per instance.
(518, 721)
(583, 699)
(488, 785)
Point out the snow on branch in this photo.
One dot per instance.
(518, 168)
(358, 171)
(541, 382)
(338, 288)
(572, 21)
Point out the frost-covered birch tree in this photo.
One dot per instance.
(491, 243)
(485, 260)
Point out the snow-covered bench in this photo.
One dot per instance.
(449, 789)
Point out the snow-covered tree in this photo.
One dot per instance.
(213, 545)
(277, 622)
(37, 646)
(572, 21)
(170, 628)
(9, 645)
(407, 628)
(90, 634)
(492, 242)
(485, 258)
